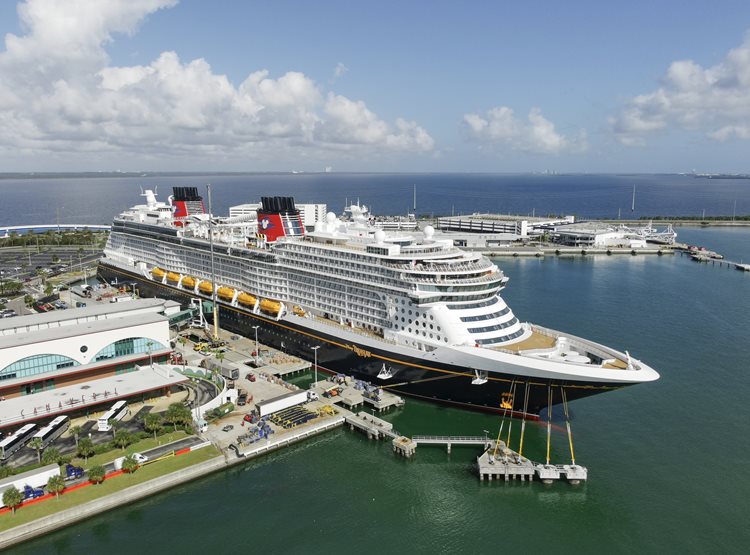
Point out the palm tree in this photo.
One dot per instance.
(152, 423)
(97, 473)
(56, 485)
(85, 448)
(123, 438)
(129, 464)
(174, 414)
(36, 443)
(12, 498)
(76, 431)
(114, 425)
(51, 455)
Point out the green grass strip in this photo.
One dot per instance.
(110, 485)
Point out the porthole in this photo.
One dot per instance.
(84, 348)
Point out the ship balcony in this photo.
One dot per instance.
(442, 268)
(496, 277)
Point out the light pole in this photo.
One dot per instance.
(150, 355)
(315, 364)
(256, 345)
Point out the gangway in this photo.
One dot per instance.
(448, 441)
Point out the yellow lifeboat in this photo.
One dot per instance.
(246, 299)
(226, 293)
(171, 276)
(270, 307)
(206, 287)
(158, 273)
(298, 311)
(188, 282)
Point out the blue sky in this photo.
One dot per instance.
(420, 86)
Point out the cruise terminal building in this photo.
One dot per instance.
(68, 360)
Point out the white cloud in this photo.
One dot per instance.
(499, 126)
(340, 70)
(59, 92)
(714, 101)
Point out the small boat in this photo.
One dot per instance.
(158, 273)
(742, 267)
(188, 282)
(226, 293)
(206, 287)
(270, 307)
(385, 373)
(246, 299)
(171, 276)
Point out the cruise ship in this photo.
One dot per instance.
(417, 316)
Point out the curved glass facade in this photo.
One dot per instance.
(129, 346)
(37, 364)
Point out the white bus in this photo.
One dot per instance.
(13, 443)
(53, 430)
(118, 411)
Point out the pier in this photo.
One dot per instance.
(713, 258)
(496, 462)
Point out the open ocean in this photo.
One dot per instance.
(669, 464)
(96, 200)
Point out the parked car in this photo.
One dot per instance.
(140, 458)
(227, 428)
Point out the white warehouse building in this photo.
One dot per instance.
(310, 213)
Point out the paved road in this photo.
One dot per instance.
(67, 445)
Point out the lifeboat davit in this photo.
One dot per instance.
(158, 273)
(226, 293)
(246, 299)
(188, 282)
(206, 287)
(270, 307)
(171, 276)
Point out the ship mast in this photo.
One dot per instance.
(213, 267)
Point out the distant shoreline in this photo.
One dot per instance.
(177, 173)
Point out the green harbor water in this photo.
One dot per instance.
(668, 461)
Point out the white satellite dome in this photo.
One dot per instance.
(429, 232)
(379, 236)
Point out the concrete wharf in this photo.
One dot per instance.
(559, 250)
(351, 397)
(498, 461)
(287, 369)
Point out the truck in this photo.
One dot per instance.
(32, 493)
(227, 369)
(73, 472)
(121, 299)
(34, 479)
(280, 403)
(241, 397)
